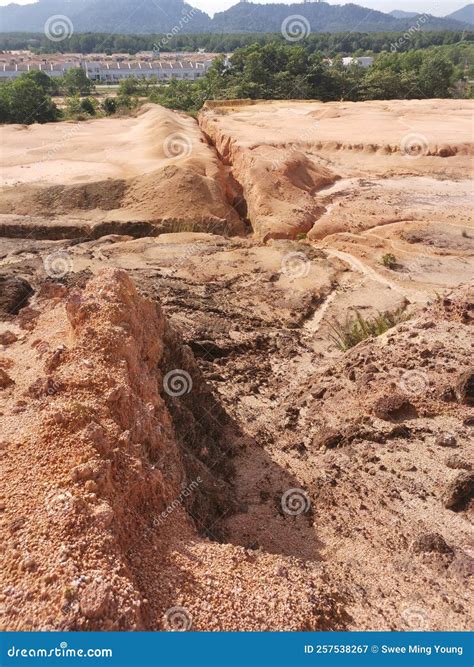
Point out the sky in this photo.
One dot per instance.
(435, 7)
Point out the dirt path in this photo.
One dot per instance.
(357, 265)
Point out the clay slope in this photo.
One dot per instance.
(382, 441)
(287, 154)
(155, 168)
(118, 460)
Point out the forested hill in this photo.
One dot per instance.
(466, 14)
(321, 17)
(176, 16)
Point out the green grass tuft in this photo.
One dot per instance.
(389, 261)
(355, 329)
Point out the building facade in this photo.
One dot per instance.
(113, 71)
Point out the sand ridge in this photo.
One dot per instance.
(155, 167)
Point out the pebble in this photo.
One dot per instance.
(446, 440)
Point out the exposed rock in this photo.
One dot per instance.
(394, 406)
(459, 492)
(95, 600)
(465, 388)
(431, 542)
(456, 462)
(7, 338)
(15, 293)
(328, 438)
(446, 440)
(5, 379)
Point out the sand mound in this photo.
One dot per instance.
(280, 191)
(156, 167)
(118, 457)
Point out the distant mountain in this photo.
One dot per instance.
(399, 14)
(110, 16)
(320, 16)
(465, 15)
(176, 16)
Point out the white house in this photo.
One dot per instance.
(363, 61)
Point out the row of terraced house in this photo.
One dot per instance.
(114, 72)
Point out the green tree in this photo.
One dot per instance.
(5, 113)
(28, 103)
(75, 82)
(382, 84)
(45, 82)
(129, 86)
(435, 76)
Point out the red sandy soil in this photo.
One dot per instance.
(291, 485)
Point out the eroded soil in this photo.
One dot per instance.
(291, 485)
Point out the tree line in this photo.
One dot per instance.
(276, 71)
(269, 71)
(329, 44)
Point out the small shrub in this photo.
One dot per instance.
(355, 329)
(88, 105)
(389, 261)
(109, 105)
